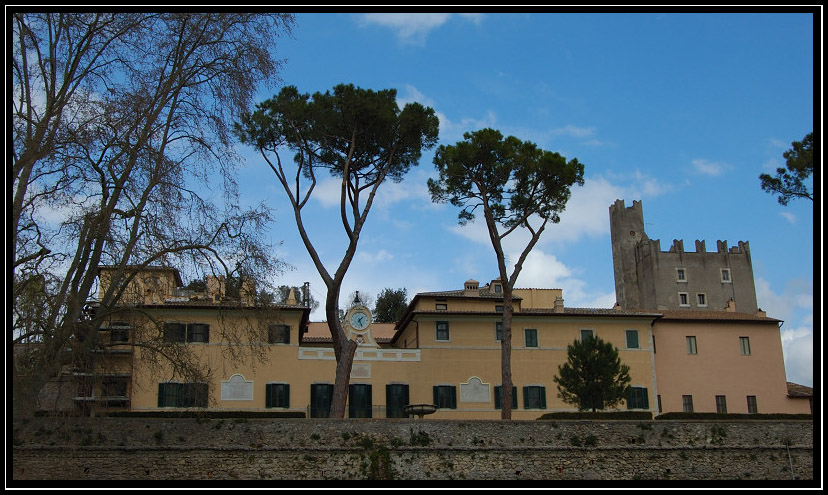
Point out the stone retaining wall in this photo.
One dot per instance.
(312, 449)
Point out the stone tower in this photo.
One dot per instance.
(648, 278)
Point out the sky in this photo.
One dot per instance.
(679, 111)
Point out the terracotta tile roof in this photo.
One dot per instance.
(589, 311)
(318, 332)
(796, 390)
(484, 293)
(683, 314)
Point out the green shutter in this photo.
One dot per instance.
(526, 397)
(453, 397)
(269, 395)
(162, 395)
(543, 397)
(498, 397)
(286, 388)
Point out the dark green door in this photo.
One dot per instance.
(321, 398)
(396, 398)
(359, 400)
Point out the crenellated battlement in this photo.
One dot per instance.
(647, 277)
(721, 247)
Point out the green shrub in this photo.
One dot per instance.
(239, 416)
(627, 415)
(735, 416)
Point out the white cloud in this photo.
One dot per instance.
(545, 271)
(798, 350)
(378, 257)
(413, 28)
(790, 217)
(328, 192)
(573, 131)
(706, 167)
(795, 307)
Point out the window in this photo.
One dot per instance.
(171, 394)
(751, 403)
(191, 332)
(587, 334)
(726, 276)
(721, 404)
(659, 402)
(175, 332)
(530, 336)
(118, 332)
(114, 387)
(498, 397)
(441, 306)
(321, 398)
(683, 299)
(681, 275)
(701, 300)
(632, 339)
(499, 308)
(498, 288)
(198, 332)
(687, 403)
(445, 396)
(499, 331)
(277, 395)
(442, 330)
(278, 334)
(359, 400)
(534, 397)
(691, 345)
(396, 398)
(744, 346)
(637, 398)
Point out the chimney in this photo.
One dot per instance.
(247, 293)
(731, 306)
(291, 298)
(471, 288)
(215, 287)
(559, 305)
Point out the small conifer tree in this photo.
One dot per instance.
(593, 377)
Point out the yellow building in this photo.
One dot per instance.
(444, 351)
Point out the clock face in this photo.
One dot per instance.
(359, 320)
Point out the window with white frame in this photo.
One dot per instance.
(681, 275)
(726, 276)
(701, 300)
(684, 300)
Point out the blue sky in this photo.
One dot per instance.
(680, 111)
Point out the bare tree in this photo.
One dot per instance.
(358, 135)
(119, 120)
